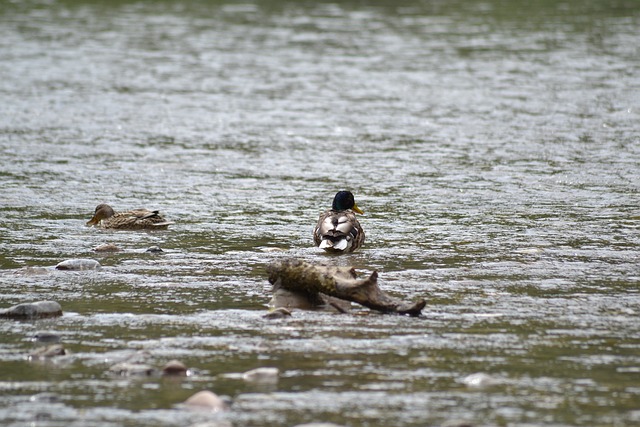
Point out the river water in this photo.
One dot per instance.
(493, 146)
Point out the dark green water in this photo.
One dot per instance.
(493, 145)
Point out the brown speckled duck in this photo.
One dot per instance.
(338, 230)
(136, 219)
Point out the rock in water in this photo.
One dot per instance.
(479, 380)
(78, 264)
(277, 313)
(46, 336)
(47, 352)
(175, 368)
(32, 271)
(132, 369)
(32, 310)
(457, 423)
(107, 247)
(45, 398)
(206, 400)
(262, 375)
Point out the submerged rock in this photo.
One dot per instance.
(262, 375)
(32, 310)
(174, 368)
(45, 398)
(132, 369)
(154, 250)
(456, 423)
(48, 351)
(107, 247)
(32, 271)
(206, 400)
(277, 313)
(78, 264)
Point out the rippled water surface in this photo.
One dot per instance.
(493, 145)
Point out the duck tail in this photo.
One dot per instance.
(340, 245)
(337, 245)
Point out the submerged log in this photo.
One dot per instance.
(339, 282)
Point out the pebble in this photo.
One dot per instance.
(262, 375)
(78, 264)
(32, 310)
(206, 400)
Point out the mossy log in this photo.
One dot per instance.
(340, 282)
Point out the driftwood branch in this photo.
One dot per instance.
(339, 282)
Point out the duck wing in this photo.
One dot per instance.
(136, 219)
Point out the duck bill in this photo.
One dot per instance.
(357, 209)
(92, 221)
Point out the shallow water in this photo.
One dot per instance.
(493, 146)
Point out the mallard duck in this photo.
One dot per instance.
(338, 230)
(136, 219)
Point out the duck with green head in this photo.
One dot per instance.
(136, 219)
(338, 229)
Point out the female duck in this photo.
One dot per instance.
(137, 219)
(338, 230)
